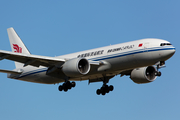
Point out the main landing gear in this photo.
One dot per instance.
(67, 86)
(104, 89)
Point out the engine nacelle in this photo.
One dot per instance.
(144, 74)
(76, 67)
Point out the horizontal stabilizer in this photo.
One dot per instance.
(10, 71)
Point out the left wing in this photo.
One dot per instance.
(28, 59)
(10, 71)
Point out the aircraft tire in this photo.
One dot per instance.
(65, 89)
(73, 84)
(69, 86)
(103, 93)
(66, 86)
(60, 88)
(111, 88)
(159, 74)
(98, 91)
(104, 89)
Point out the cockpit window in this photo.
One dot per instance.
(164, 44)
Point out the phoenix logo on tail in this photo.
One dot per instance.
(17, 48)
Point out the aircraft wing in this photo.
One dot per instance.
(28, 59)
(10, 71)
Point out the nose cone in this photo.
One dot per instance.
(169, 53)
(173, 50)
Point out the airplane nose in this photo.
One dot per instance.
(173, 50)
(169, 53)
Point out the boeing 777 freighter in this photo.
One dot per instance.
(140, 59)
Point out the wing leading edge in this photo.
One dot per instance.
(10, 71)
(28, 59)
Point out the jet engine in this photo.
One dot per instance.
(76, 67)
(144, 74)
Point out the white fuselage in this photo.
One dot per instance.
(115, 58)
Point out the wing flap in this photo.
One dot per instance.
(28, 59)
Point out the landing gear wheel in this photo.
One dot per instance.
(159, 74)
(65, 89)
(111, 88)
(60, 88)
(66, 86)
(73, 84)
(104, 89)
(107, 91)
(103, 93)
(98, 91)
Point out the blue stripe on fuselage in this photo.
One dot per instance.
(131, 53)
(105, 57)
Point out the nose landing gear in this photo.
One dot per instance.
(160, 64)
(158, 73)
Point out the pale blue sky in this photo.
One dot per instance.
(58, 27)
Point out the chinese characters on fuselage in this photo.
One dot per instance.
(100, 52)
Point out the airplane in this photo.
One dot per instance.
(140, 59)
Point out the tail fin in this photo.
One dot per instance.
(16, 45)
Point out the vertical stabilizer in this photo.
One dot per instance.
(16, 45)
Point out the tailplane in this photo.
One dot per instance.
(17, 45)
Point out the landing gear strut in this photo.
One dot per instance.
(67, 86)
(159, 65)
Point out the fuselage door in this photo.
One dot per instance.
(146, 46)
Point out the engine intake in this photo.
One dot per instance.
(76, 67)
(144, 74)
